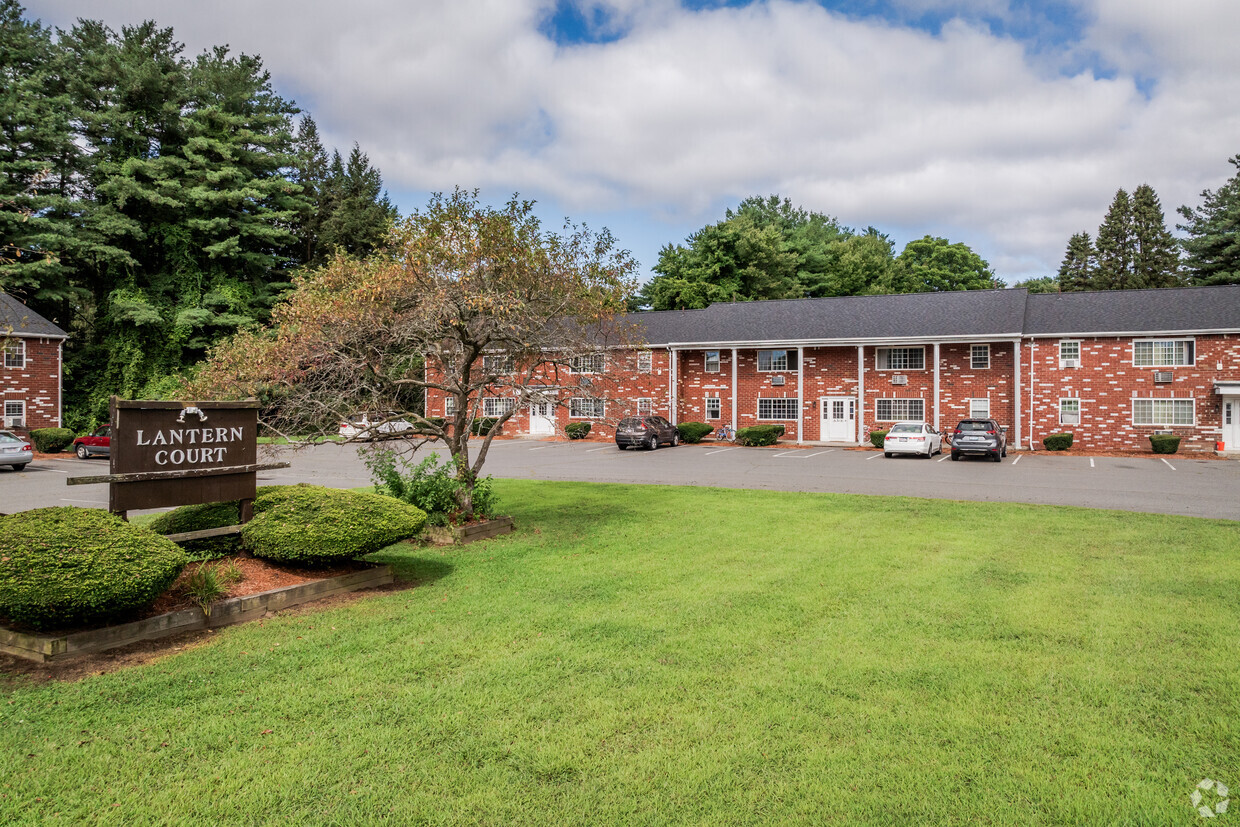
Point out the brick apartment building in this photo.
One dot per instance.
(1112, 367)
(30, 367)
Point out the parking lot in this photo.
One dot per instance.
(1177, 484)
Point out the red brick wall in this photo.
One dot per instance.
(37, 384)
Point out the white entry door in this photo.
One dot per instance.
(839, 419)
(1231, 423)
(542, 418)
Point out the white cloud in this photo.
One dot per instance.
(961, 133)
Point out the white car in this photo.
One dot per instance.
(912, 438)
(374, 424)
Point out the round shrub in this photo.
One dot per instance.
(196, 518)
(1057, 442)
(1164, 443)
(311, 525)
(577, 430)
(756, 435)
(877, 438)
(692, 432)
(51, 440)
(69, 566)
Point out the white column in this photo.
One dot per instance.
(671, 402)
(734, 420)
(800, 395)
(1016, 383)
(936, 386)
(860, 394)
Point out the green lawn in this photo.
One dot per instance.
(642, 655)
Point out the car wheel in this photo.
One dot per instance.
(1005, 450)
(19, 466)
(997, 458)
(887, 454)
(955, 456)
(653, 442)
(675, 439)
(81, 452)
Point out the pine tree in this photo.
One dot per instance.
(1079, 267)
(357, 212)
(1156, 259)
(1115, 245)
(1213, 243)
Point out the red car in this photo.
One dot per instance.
(98, 444)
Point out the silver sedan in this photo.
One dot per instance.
(14, 450)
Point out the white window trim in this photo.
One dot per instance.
(649, 406)
(786, 400)
(645, 362)
(22, 416)
(877, 405)
(506, 365)
(1189, 339)
(784, 369)
(974, 399)
(1079, 350)
(706, 360)
(1133, 412)
(17, 349)
(449, 406)
(881, 350)
(576, 362)
(973, 358)
(511, 404)
(718, 404)
(1079, 411)
(573, 402)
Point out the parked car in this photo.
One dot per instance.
(979, 437)
(98, 444)
(645, 432)
(912, 438)
(15, 450)
(386, 422)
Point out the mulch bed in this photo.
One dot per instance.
(257, 576)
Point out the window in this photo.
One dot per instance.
(645, 407)
(712, 361)
(901, 358)
(1069, 412)
(891, 410)
(1162, 412)
(979, 357)
(497, 406)
(1069, 354)
(1162, 353)
(777, 408)
(645, 362)
(584, 407)
(15, 414)
(714, 407)
(593, 363)
(15, 353)
(979, 409)
(770, 360)
(497, 365)
(449, 406)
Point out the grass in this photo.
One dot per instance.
(641, 655)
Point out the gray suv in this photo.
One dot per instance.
(979, 437)
(645, 432)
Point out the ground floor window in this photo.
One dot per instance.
(1069, 412)
(777, 409)
(585, 407)
(496, 406)
(714, 407)
(1163, 412)
(979, 409)
(14, 413)
(645, 407)
(449, 406)
(892, 410)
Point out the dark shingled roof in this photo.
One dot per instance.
(982, 314)
(17, 318)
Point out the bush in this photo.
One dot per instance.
(1057, 442)
(877, 438)
(756, 435)
(429, 486)
(1164, 443)
(437, 421)
(67, 566)
(692, 432)
(481, 427)
(310, 525)
(577, 430)
(51, 440)
(196, 518)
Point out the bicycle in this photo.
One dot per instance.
(725, 432)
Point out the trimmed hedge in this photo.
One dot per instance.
(877, 438)
(51, 440)
(67, 566)
(310, 525)
(482, 426)
(196, 518)
(577, 430)
(1164, 443)
(692, 432)
(757, 435)
(1057, 442)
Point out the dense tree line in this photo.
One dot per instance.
(769, 249)
(153, 204)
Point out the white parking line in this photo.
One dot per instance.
(1169, 465)
(1091, 462)
(55, 470)
(876, 456)
(945, 456)
(820, 453)
(593, 450)
(719, 451)
(92, 502)
(799, 454)
(540, 447)
(1018, 456)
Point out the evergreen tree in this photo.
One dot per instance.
(1213, 242)
(1115, 245)
(1080, 266)
(1156, 259)
(357, 214)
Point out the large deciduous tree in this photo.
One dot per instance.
(459, 282)
(1213, 242)
(931, 264)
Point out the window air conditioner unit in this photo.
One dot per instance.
(1163, 376)
(1069, 363)
(777, 380)
(1167, 431)
(14, 422)
(899, 380)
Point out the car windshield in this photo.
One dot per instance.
(905, 429)
(973, 426)
(8, 438)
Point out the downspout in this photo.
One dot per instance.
(60, 384)
(800, 395)
(1033, 352)
(734, 421)
(937, 417)
(860, 394)
(674, 406)
(1016, 356)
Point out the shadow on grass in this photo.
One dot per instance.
(410, 570)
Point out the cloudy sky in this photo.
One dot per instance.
(1005, 124)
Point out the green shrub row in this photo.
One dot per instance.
(65, 566)
(877, 438)
(1057, 442)
(692, 432)
(577, 430)
(483, 426)
(51, 440)
(1164, 443)
(757, 435)
(197, 518)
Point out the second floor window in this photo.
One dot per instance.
(15, 353)
(1162, 353)
(497, 365)
(901, 358)
(712, 361)
(591, 363)
(770, 360)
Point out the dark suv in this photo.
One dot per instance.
(645, 432)
(979, 437)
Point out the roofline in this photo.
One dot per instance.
(1224, 331)
(872, 340)
(24, 335)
